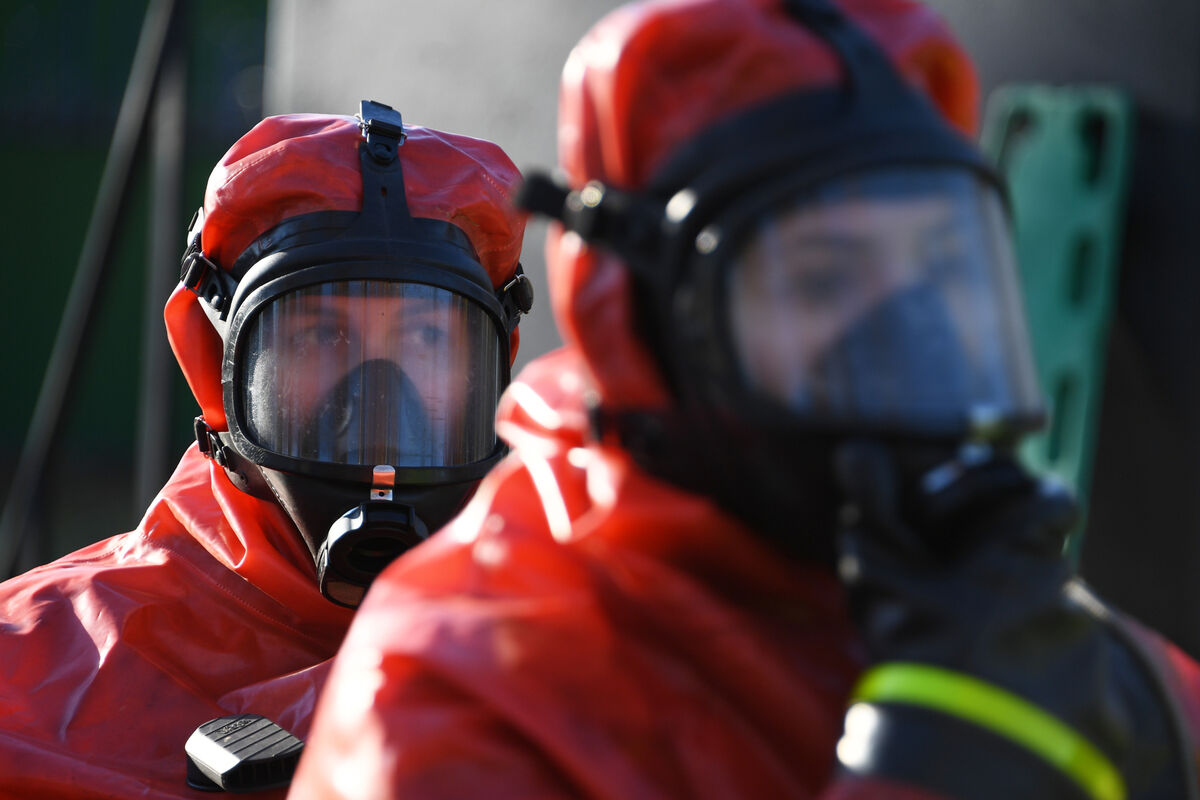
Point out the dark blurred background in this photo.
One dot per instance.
(491, 70)
(65, 70)
(1142, 543)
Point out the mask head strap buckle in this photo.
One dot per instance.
(201, 275)
(516, 298)
(383, 128)
(385, 213)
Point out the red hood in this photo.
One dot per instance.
(626, 106)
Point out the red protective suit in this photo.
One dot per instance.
(116, 653)
(584, 630)
(112, 656)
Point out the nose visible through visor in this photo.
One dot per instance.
(367, 372)
(373, 415)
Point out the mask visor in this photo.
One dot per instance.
(369, 372)
(886, 300)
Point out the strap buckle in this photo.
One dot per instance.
(516, 298)
(209, 442)
(201, 275)
(383, 128)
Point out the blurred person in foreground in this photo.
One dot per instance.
(346, 319)
(761, 533)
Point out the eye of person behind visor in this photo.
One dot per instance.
(889, 298)
(372, 372)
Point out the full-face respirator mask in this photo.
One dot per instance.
(364, 355)
(833, 263)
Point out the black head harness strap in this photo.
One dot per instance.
(385, 205)
(384, 211)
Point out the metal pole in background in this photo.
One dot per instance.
(16, 526)
(167, 222)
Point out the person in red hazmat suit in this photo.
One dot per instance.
(760, 533)
(347, 320)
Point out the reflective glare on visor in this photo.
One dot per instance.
(889, 298)
(372, 372)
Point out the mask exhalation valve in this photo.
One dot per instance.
(361, 543)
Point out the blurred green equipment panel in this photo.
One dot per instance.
(1066, 153)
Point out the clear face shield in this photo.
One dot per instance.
(886, 300)
(372, 372)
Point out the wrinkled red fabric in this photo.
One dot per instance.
(114, 654)
(583, 630)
